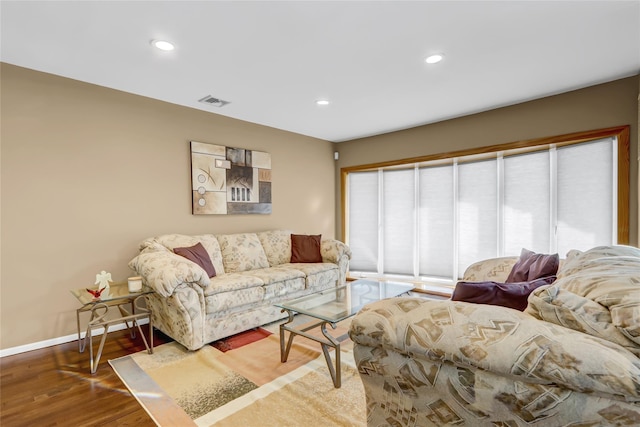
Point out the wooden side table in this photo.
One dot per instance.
(131, 310)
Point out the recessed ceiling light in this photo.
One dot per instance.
(162, 45)
(322, 102)
(434, 58)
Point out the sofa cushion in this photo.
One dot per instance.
(598, 293)
(276, 245)
(242, 252)
(305, 248)
(319, 274)
(531, 266)
(232, 282)
(226, 301)
(276, 274)
(198, 254)
(512, 295)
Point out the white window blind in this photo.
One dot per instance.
(363, 221)
(585, 196)
(398, 221)
(436, 224)
(527, 194)
(435, 221)
(477, 212)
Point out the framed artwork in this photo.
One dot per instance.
(227, 180)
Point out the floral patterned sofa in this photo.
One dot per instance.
(252, 272)
(570, 359)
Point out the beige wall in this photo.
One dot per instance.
(88, 172)
(601, 106)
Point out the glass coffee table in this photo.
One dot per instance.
(330, 307)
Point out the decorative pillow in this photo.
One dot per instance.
(242, 252)
(512, 295)
(305, 248)
(198, 254)
(531, 266)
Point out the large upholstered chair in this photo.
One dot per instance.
(570, 359)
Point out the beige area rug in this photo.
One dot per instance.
(247, 386)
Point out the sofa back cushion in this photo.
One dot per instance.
(242, 252)
(209, 241)
(276, 245)
(198, 254)
(597, 292)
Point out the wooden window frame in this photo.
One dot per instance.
(620, 132)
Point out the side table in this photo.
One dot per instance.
(129, 306)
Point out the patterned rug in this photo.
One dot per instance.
(246, 386)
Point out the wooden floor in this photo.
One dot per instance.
(53, 386)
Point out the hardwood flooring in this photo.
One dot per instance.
(53, 386)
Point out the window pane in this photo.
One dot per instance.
(477, 213)
(436, 221)
(398, 221)
(585, 196)
(363, 221)
(527, 219)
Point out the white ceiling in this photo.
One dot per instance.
(272, 60)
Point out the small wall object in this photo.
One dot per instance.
(227, 180)
(135, 284)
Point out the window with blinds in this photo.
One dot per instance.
(432, 220)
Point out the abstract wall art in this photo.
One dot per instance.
(227, 180)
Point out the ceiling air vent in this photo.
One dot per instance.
(216, 102)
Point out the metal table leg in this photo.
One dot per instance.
(330, 342)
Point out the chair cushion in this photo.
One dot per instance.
(598, 293)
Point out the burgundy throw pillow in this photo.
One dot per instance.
(198, 254)
(531, 266)
(512, 295)
(305, 248)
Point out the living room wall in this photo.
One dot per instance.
(601, 106)
(88, 172)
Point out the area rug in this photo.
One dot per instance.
(245, 386)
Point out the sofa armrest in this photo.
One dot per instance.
(333, 250)
(164, 271)
(336, 252)
(500, 340)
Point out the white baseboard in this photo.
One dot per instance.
(61, 340)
